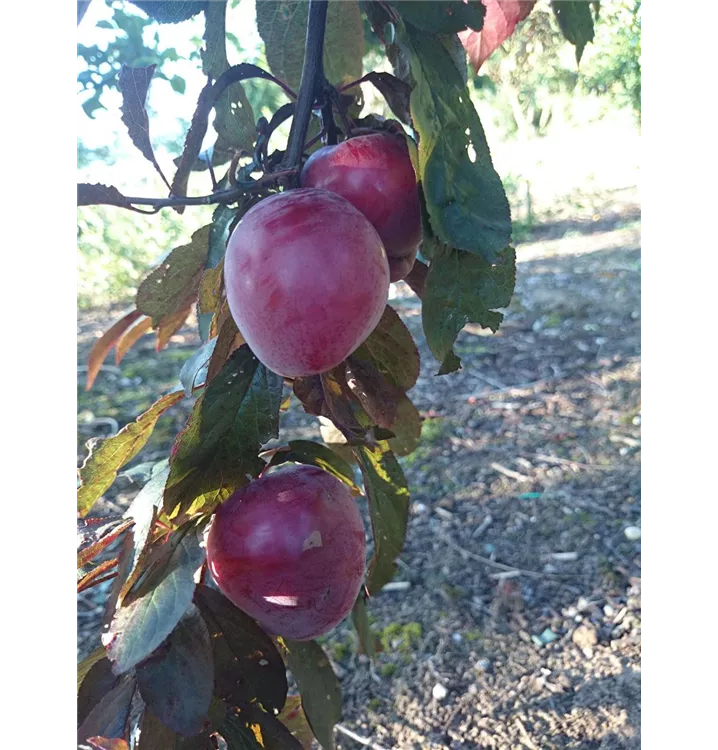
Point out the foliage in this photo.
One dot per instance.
(175, 648)
(533, 80)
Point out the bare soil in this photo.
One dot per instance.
(517, 624)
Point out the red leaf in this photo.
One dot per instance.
(103, 743)
(101, 348)
(135, 333)
(500, 21)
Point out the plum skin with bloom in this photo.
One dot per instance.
(375, 174)
(289, 549)
(307, 280)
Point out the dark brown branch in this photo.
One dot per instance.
(312, 81)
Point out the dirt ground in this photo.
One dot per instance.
(514, 618)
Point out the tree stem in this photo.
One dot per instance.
(312, 81)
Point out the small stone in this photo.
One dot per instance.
(482, 665)
(456, 637)
(585, 638)
(439, 692)
(420, 508)
(608, 610)
(632, 533)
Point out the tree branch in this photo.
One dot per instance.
(312, 81)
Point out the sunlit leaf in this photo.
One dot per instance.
(315, 454)
(388, 497)
(101, 348)
(134, 334)
(108, 456)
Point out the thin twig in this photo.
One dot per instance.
(312, 79)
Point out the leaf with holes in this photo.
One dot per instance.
(134, 84)
(140, 626)
(247, 665)
(392, 350)
(318, 686)
(101, 348)
(237, 413)
(442, 16)
(174, 285)
(502, 17)
(463, 288)
(576, 23)
(283, 27)
(388, 497)
(108, 456)
(176, 682)
(315, 454)
(464, 196)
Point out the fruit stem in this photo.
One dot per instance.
(312, 81)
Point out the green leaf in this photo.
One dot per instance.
(139, 627)
(98, 194)
(143, 511)
(237, 413)
(283, 27)
(234, 120)
(171, 11)
(316, 454)
(109, 717)
(444, 17)
(154, 735)
(174, 284)
(222, 219)
(318, 685)
(388, 497)
(108, 456)
(133, 84)
(247, 665)
(392, 349)
(178, 84)
(177, 682)
(576, 23)
(396, 92)
(194, 370)
(464, 196)
(462, 288)
(360, 619)
(406, 428)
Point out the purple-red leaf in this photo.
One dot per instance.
(109, 717)
(502, 17)
(134, 84)
(247, 665)
(176, 682)
(139, 627)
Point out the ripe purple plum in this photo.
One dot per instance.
(307, 280)
(289, 549)
(375, 174)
